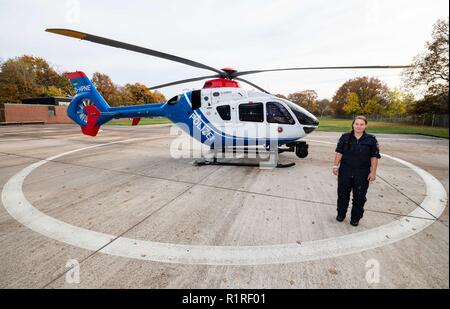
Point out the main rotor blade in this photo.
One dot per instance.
(251, 84)
(323, 68)
(138, 49)
(184, 81)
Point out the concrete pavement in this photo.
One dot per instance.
(135, 190)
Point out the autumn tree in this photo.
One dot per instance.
(323, 107)
(9, 92)
(158, 97)
(366, 89)
(107, 88)
(397, 103)
(410, 102)
(130, 94)
(306, 99)
(281, 96)
(352, 106)
(432, 104)
(430, 72)
(28, 76)
(140, 94)
(373, 107)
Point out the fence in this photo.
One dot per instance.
(433, 120)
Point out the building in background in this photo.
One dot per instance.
(60, 101)
(50, 110)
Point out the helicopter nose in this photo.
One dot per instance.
(309, 129)
(309, 120)
(312, 124)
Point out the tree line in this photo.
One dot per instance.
(427, 78)
(362, 95)
(29, 77)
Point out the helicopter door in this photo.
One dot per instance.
(251, 120)
(277, 114)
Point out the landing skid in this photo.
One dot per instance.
(215, 162)
(271, 163)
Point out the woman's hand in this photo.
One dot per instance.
(335, 171)
(372, 176)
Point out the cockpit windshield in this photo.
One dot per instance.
(303, 116)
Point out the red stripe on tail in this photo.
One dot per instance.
(74, 75)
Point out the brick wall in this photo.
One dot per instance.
(28, 112)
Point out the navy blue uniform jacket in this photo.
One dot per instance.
(357, 153)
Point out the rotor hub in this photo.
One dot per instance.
(228, 72)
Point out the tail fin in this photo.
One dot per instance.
(88, 108)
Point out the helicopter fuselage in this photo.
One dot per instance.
(215, 116)
(237, 117)
(219, 115)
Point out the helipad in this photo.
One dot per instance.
(133, 216)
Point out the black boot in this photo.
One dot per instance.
(354, 222)
(340, 218)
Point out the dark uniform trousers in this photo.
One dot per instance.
(358, 184)
(354, 171)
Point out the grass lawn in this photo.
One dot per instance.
(144, 121)
(344, 125)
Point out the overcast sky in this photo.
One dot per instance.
(243, 34)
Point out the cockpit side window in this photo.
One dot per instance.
(277, 113)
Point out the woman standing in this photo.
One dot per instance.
(355, 164)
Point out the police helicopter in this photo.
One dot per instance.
(221, 115)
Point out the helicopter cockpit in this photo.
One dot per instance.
(305, 118)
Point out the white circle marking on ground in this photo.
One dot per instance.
(23, 211)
